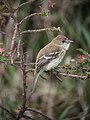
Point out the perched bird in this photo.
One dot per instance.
(50, 56)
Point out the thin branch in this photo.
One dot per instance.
(30, 70)
(29, 17)
(28, 64)
(18, 48)
(24, 80)
(6, 14)
(41, 30)
(14, 36)
(7, 5)
(7, 111)
(23, 4)
(74, 76)
(70, 67)
(38, 112)
(23, 67)
(14, 40)
(24, 90)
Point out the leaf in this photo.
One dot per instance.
(44, 13)
(83, 51)
(4, 59)
(65, 112)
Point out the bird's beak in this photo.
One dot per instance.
(69, 41)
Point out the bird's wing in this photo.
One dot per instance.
(47, 57)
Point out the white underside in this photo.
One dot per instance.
(54, 62)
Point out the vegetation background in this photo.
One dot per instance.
(69, 100)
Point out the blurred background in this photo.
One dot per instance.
(69, 100)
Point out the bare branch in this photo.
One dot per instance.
(7, 111)
(13, 41)
(41, 30)
(24, 4)
(23, 67)
(6, 14)
(74, 76)
(14, 36)
(7, 5)
(30, 70)
(29, 17)
(18, 48)
(29, 64)
(38, 112)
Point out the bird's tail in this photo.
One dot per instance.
(34, 81)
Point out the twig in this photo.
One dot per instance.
(24, 4)
(41, 30)
(70, 67)
(43, 77)
(7, 111)
(29, 17)
(24, 88)
(74, 76)
(23, 106)
(29, 70)
(18, 48)
(28, 64)
(38, 112)
(13, 41)
(6, 14)
(7, 5)
(58, 78)
(14, 36)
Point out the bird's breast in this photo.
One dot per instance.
(55, 62)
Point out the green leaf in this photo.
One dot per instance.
(44, 14)
(82, 51)
(4, 59)
(65, 112)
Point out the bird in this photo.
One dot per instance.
(50, 56)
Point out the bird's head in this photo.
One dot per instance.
(63, 41)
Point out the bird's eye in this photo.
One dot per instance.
(63, 41)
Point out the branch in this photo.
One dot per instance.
(29, 17)
(6, 14)
(13, 41)
(7, 5)
(38, 112)
(7, 111)
(24, 4)
(14, 36)
(71, 75)
(41, 30)
(23, 67)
